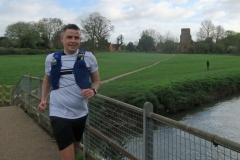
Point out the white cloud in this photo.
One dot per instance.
(28, 10)
(130, 17)
(2, 1)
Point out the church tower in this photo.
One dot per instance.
(185, 40)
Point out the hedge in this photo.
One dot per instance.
(186, 94)
(25, 51)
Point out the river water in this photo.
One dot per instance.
(221, 118)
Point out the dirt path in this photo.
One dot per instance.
(125, 74)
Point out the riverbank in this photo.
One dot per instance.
(184, 95)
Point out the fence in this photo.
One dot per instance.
(116, 130)
(5, 95)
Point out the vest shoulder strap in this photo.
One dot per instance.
(81, 54)
(56, 65)
(81, 72)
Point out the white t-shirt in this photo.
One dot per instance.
(67, 101)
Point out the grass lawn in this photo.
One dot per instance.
(177, 68)
(14, 66)
(173, 68)
(110, 64)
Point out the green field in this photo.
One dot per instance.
(174, 68)
(110, 64)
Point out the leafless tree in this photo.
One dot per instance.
(176, 40)
(168, 36)
(50, 27)
(96, 27)
(219, 33)
(120, 39)
(159, 38)
(135, 43)
(119, 42)
(154, 34)
(206, 30)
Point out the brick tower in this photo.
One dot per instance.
(185, 40)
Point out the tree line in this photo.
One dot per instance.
(210, 39)
(214, 39)
(45, 33)
(96, 29)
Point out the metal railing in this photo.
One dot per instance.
(116, 130)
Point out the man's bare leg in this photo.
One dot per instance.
(76, 147)
(68, 153)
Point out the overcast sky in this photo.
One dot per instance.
(130, 17)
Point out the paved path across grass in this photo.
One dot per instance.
(125, 74)
(22, 139)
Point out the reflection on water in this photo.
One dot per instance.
(222, 118)
(170, 143)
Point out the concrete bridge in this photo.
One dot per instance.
(22, 138)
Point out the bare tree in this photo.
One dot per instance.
(219, 33)
(206, 30)
(96, 27)
(120, 39)
(149, 32)
(157, 37)
(135, 43)
(51, 27)
(176, 40)
(119, 42)
(168, 36)
(201, 36)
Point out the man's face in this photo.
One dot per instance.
(71, 41)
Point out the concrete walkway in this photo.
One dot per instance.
(22, 139)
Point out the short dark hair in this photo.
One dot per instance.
(70, 26)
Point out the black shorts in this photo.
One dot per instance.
(67, 131)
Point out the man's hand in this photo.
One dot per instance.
(87, 93)
(42, 106)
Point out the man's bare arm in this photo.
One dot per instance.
(88, 93)
(95, 80)
(45, 93)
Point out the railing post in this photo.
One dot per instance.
(10, 96)
(85, 139)
(2, 95)
(23, 93)
(84, 142)
(39, 97)
(147, 131)
(29, 93)
(40, 89)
